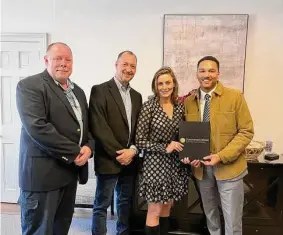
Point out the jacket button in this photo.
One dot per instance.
(78, 129)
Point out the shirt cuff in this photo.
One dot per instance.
(134, 148)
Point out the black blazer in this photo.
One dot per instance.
(109, 125)
(50, 134)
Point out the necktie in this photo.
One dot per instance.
(206, 111)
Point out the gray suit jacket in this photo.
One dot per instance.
(50, 134)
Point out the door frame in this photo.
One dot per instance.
(42, 39)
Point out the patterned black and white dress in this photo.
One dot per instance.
(163, 176)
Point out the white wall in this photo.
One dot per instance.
(97, 30)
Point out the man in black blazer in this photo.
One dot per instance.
(113, 111)
(55, 144)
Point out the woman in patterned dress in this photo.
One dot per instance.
(163, 178)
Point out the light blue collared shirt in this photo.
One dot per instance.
(126, 97)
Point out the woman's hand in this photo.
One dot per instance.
(174, 145)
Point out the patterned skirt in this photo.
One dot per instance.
(163, 178)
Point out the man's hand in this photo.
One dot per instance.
(211, 160)
(125, 156)
(83, 156)
(194, 163)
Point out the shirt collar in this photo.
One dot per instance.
(70, 84)
(120, 86)
(202, 93)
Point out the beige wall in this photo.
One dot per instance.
(263, 82)
(97, 30)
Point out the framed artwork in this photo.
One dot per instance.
(188, 38)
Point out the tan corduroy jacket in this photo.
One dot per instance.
(231, 129)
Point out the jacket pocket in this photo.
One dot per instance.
(226, 123)
(36, 152)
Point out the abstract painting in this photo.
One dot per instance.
(188, 38)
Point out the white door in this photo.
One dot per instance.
(21, 56)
